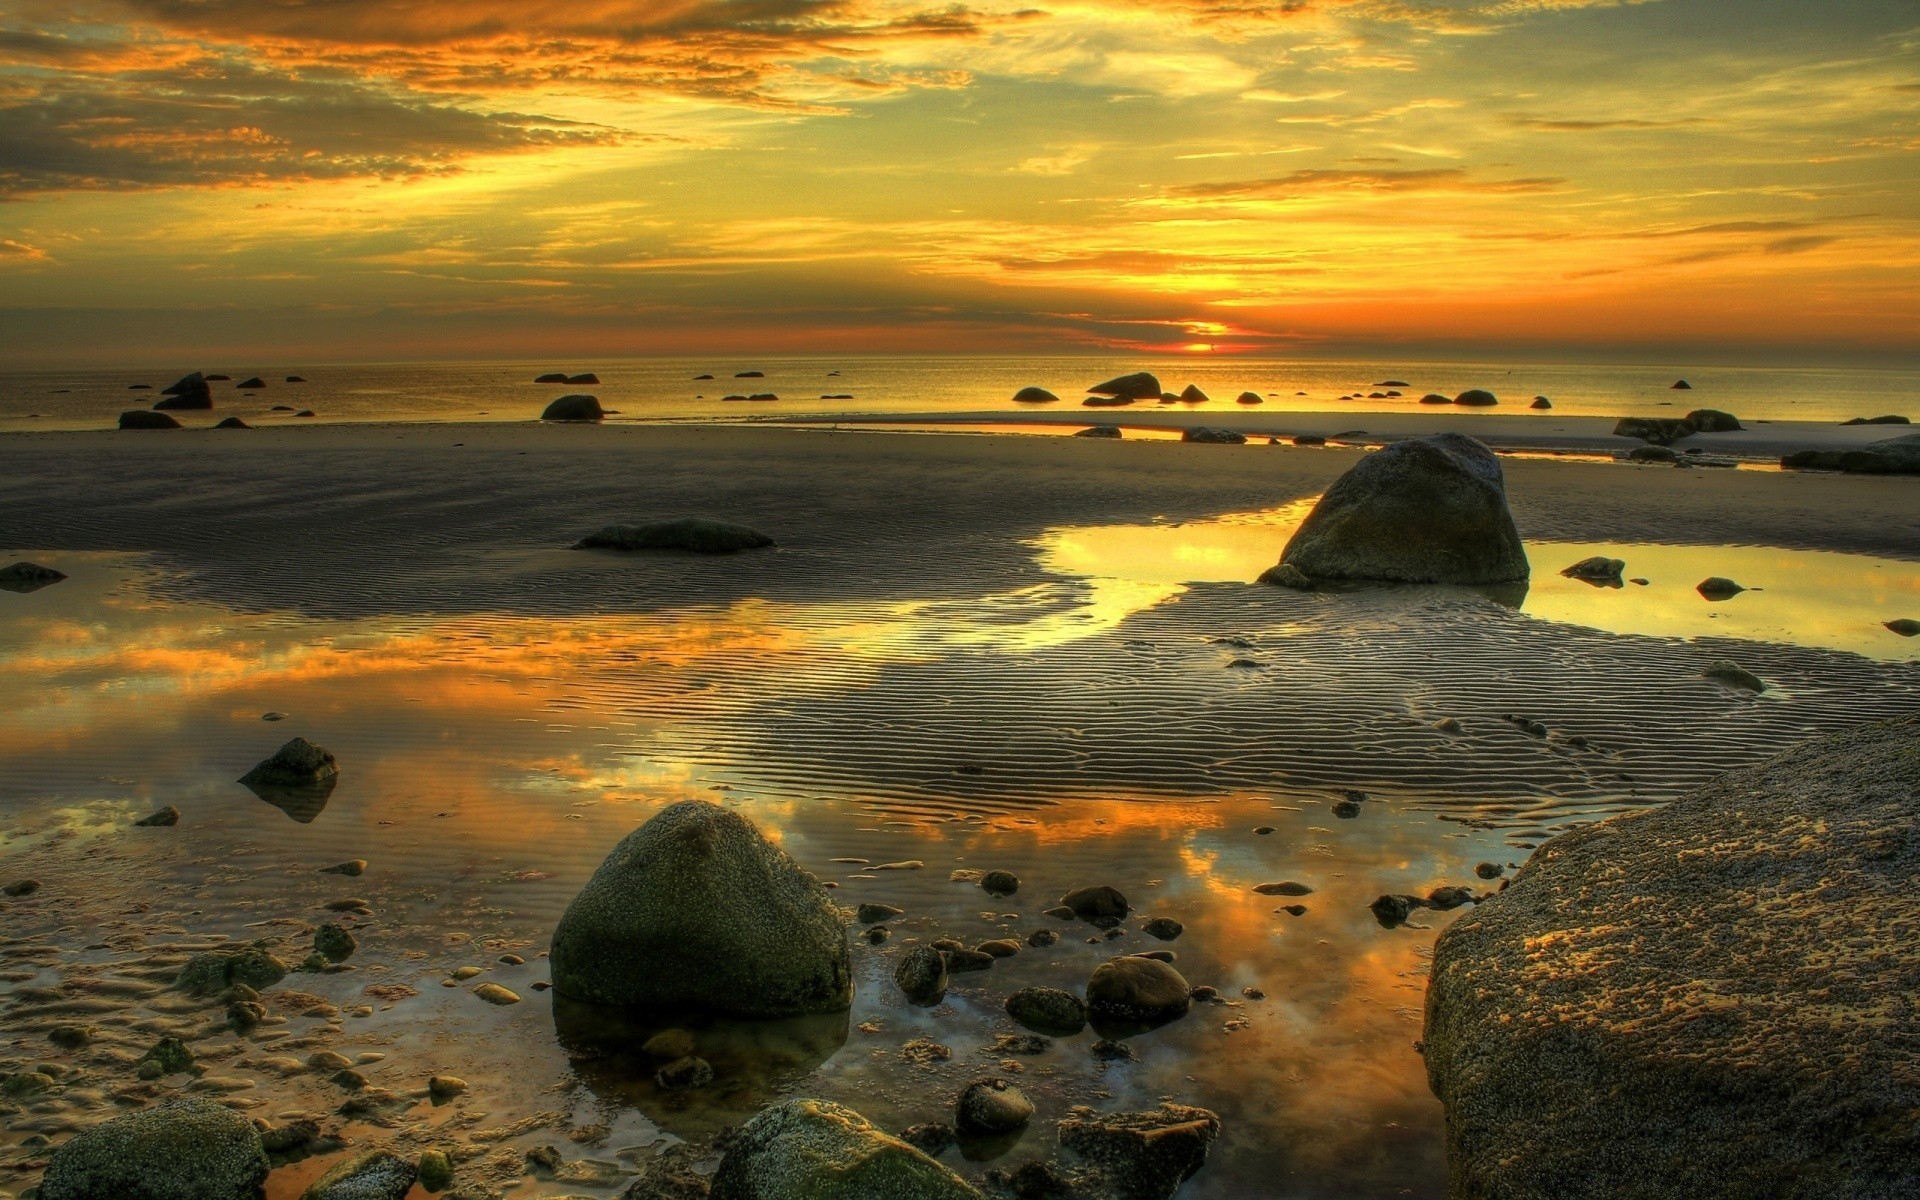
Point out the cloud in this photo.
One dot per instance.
(1551, 125)
(1304, 182)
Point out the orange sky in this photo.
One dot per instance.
(369, 179)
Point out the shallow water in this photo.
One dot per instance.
(1132, 721)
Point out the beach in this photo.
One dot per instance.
(966, 651)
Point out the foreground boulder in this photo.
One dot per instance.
(1894, 456)
(815, 1150)
(297, 763)
(695, 909)
(1426, 510)
(1136, 1155)
(697, 534)
(141, 418)
(1709, 999)
(186, 1150)
(1141, 386)
(574, 408)
(190, 392)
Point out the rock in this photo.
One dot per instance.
(696, 534)
(992, 1106)
(1598, 569)
(922, 975)
(1659, 431)
(353, 866)
(963, 959)
(1436, 398)
(252, 384)
(1905, 627)
(574, 408)
(1734, 675)
(1446, 899)
(21, 887)
(1887, 420)
(1489, 870)
(442, 1088)
(1716, 587)
(165, 817)
(998, 948)
(296, 379)
(1425, 510)
(1097, 904)
(1048, 1010)
(1000, 883)
(1309, 439)
(334, 942)
(493, 993)
(1285, 888)
(1541, 402)
(305, 412)
(1164, 928)
(1392, 910)
(24, 577)
(189, 1149)
(1712, 420)
(933, 1138)
(1665, 1004)
(299, 762)
(1191, 394)
(587, 377)
(1041, 938)
(141, 418)
(215, 971)
(873, 914)
(1129, 989)
(1107, 401)
(697, 909)
(1476, 398)
(749, 374)
(1894, 456)
(1099, 431)
(1652, 454)
(816, 1150)
(1683, 386)
(70, 1036)
(683, 1074)
(434, 1171)
(561, 377)
(1034, 395)
(1248, 398)
(1140, 386)
(372, 1175)
(1214, 437)
(189, 392)
(233, 423)
(1137, 1155)
(1287, 575)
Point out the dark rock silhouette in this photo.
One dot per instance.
(141, 418)
(695, 534)
(574, 408)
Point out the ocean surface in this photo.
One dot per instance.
(665, 389)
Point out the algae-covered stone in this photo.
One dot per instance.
(169, 1056)
(214, 972)
(334, 942)
(696, 909)
(922, 975)
(1137, 1155)
(815, 1150)
(434, 1171)
(1711, 1000)
(373, 1175)
(696, 534)
(1048, 1010)
(186, 1150)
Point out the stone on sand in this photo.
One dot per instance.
(1139, 386)
(697, 909)
(817, 1150)
(1734, 675)
(215, 971)
(1669, 1004)
(695, 534)
(233, 423)
(1248, 398)
(1659, 431)
(333, 942)
(1425, 510)
(296, 763)
(191, 1149)
(1136, 1155)
(141, 418)
(1137, 989)
(561, 377)
(1213, 436)
(1652, 454)
(576, 407)
(370, 1175)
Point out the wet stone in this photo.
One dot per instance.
(165, 817)
(873, 914)
(992, 1106)
(334, 942)
(683, 1074)
(1042, 937)
(1164, 928)
(1048, 1010)
(1000, 883)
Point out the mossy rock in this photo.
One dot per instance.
(188, 1150)
(372, 1175)
(214, 972)
(815, 1150)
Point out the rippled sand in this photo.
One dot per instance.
(967, 654)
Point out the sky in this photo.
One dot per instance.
(369, 180)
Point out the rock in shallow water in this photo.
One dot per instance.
(697, 909)
(1142, 990)
(26, 577)
(816, 1150)
(297, 763)
(1668, 1004)
(574, 408)
(922, 975)
(1048, 1010)
(1136, 1155)
(373, 1175)
(695, 534)
(185, 1150)
(992, 1106)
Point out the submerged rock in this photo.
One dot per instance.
(189, 1149)
(1718, 587)
(1097, 904)
(574, 408)
(1136, 1155)
(1099, 431)
(1034, 395)
(1425, 510)
(1214, 437)
(1652, 454)
(922, 975)
(24, 577)
(695, 534)
(297, 762)
(334, 943)
(141, 418)
(215, 971)
(816, 1150)
(372, 1175)
(1139, 386)
(1668, 1004)
(1048, 1010)
(992, 1106)
(697, 909)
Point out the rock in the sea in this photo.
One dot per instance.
(1712, 420)
(872, 913)
(922, 975)
(141, 418)
(1248, 398)
(1659, 431)
(816, 1150)
(254, 383)
(1436, 398)
(1287, 575)
(1164, 928)
(1034, 395)
(23, 577)
(1541, 402)
(1476, 398)
(1129, 989)
(1214, 437)
(1598, 569)
(1905, 627)
(1425, 510)
(1669, 1004)
(1191, 394)
(697, 909)
(1048, 1010)
(296, 763)
(1000, 883)
(1136, 1155)
(561, 377)
(1734, 675)
(233, 423)
(1097, 904)
(189, 1149)
(1107, 401)
(296, 379)
(695, 534)
(165, 817)
(1890, 419)
(992, 1106)
(1652, 454)
(1717, 587)
(1683, 386)
(189, 392)
(586, 377)
(333, 942)
(1099, 431)
(215, 971)
(1140, 386)
(574, 408)
(372, 1175)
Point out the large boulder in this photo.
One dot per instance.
(1136, 1155)
(1141, 386)
(1712, 420)
(574, 408)
(1128, 990)
(695, 909)
(1709, 1000)
(141, 418)
(1426, 510)
(696, 534)
(815, 1150)
(190, 392)
(1476, 398)
(1893, 456)
(185, 1150)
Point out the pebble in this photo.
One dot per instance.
(353, 866)
(1000, 883)
(1164, 928)
(493, 993)
(1285, 888)
(1042, 937)
(992, 1106)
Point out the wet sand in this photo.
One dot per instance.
(1031, 654)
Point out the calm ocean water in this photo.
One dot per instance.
(668, 389)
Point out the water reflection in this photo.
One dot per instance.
(302, 802)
